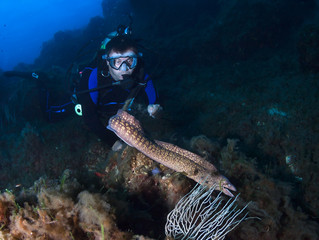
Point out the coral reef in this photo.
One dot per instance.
(54, 209)
(49, 212)
(139, 195)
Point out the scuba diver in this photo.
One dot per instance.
(114, 80)
(117, 80)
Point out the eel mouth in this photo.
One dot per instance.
(226, 186)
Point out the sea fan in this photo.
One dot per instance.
(198, 216)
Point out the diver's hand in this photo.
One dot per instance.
(154, 109)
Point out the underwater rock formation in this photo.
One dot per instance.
(139, 193)
(144, 197)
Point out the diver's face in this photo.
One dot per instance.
(121, 63)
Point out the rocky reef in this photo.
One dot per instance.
(136, 196)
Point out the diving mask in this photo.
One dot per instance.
(127, 59)
(118, 61)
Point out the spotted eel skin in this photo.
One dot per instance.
(129, 129)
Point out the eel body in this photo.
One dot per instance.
(129, 129)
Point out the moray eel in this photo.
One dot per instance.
(192, 156)
(129, 129)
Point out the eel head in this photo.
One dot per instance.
(221, 183)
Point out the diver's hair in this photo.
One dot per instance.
(121, 44)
